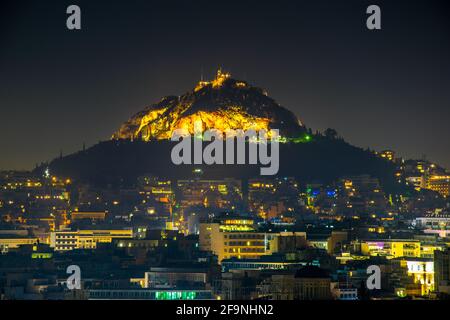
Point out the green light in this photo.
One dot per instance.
(175, 295)
(41, 256)
(307, 137)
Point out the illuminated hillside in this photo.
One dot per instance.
(223, 103)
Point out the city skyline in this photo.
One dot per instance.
(225, 156)
(385, 90)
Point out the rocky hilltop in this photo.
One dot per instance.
(223, 103)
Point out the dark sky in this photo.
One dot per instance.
(383, 89)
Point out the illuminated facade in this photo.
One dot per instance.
(392, 248)
(440, 184)
(234, 238)
(422, 272)
(7, 242)
(85, 239)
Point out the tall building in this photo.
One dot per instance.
(233, 237)
(422, 272)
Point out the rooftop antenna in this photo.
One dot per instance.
(201, 73)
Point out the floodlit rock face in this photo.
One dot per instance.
(223, 103)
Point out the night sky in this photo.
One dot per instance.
(378, 89)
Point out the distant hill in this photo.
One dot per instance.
(142, 144)
(120, 162)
